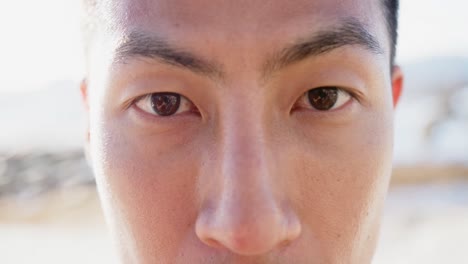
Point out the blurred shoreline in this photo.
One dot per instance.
(56, 216)
(30, 175)
(36, 185)
(49, 205)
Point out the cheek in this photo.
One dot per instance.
(343, 176)
(146, 187)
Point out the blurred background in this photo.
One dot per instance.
(49, 211)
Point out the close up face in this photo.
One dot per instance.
(241, 131)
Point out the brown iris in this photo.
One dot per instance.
(165, 104)
(323, 98)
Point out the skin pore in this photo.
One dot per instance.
(242, 166)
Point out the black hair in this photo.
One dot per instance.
(391, 16)
(390, 12)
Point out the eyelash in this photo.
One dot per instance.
(340, 92)
(183, 101)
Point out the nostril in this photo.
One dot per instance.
(285, 243)
(205, 233)
(247, 232)
(213, 243)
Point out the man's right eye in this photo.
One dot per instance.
(165, 104)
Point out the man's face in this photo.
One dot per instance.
(241, 131)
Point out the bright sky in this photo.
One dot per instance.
(41, 41)
(432, 28)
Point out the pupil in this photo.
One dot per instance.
(323, 98)
(165, 103)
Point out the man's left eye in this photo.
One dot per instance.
(164, 104)
(325, 98)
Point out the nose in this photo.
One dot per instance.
(246, 211)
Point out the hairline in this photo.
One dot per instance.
(90, 21)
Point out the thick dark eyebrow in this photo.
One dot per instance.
(351, 32)
(141, 45)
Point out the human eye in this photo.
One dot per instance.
(165, 104)
(324, 98)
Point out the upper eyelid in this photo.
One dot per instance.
(340, 89)
(136, 100)
(145, 96)
(354, 93)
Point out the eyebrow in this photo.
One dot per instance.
(141, 45)
(351, 32)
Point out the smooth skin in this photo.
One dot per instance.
(247, 170)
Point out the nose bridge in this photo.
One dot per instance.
(247, 203)
(246, 169)
(246, 213)
(244, 142)
(246, 160)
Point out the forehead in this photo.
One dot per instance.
(241, 17)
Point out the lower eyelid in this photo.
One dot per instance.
(341, 92)
(142, 99)
(144, 119)
(185, 105)
(348, 98)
